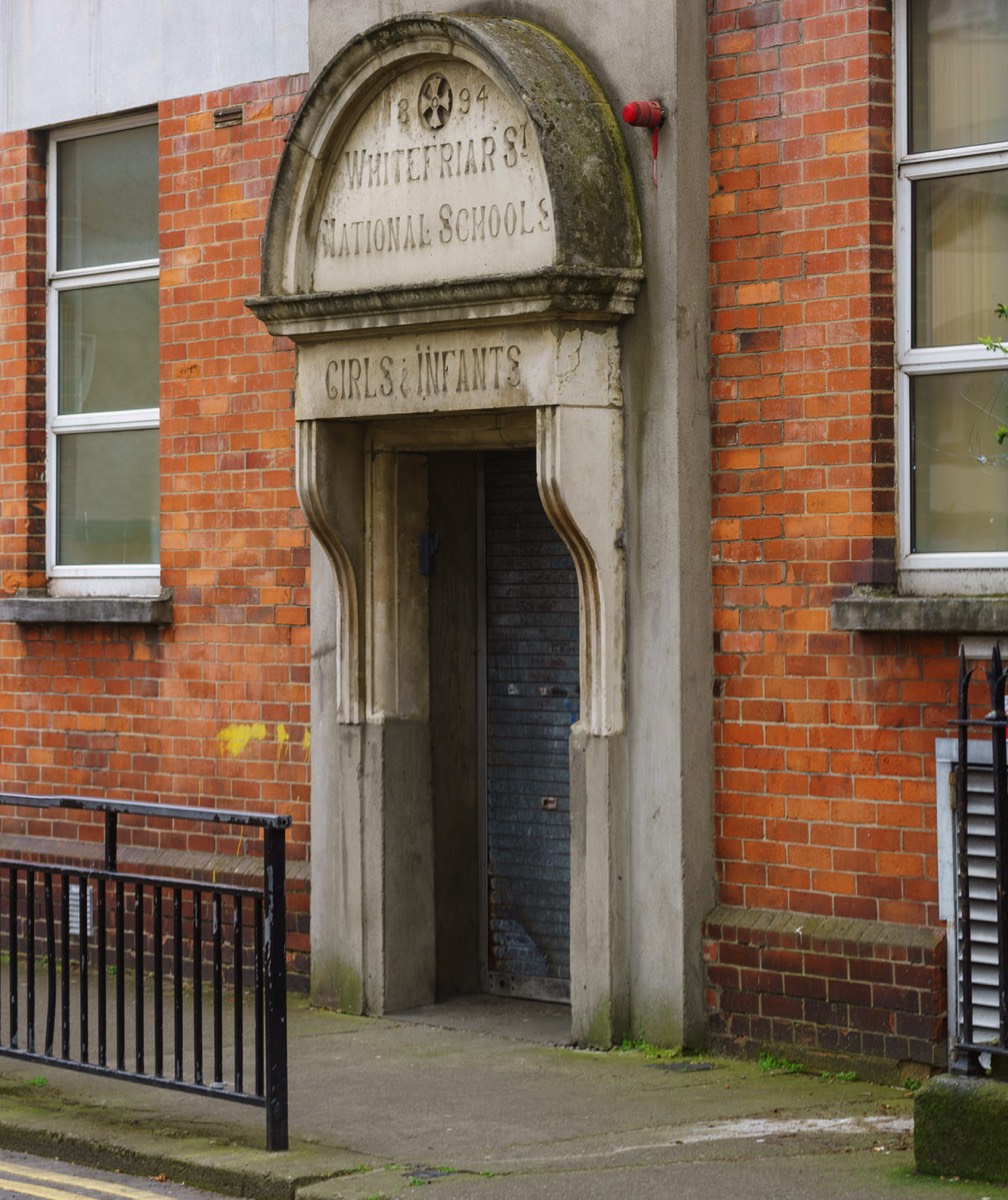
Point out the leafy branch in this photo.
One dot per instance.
(997, 344)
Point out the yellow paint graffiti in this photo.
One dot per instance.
(234, 739)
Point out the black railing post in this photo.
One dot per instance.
(64, 964)
(12, 949)
(275, 954)
(158, 1001)
(30, 966)
(217, 906)
(82, 962)
(50, 921)
(102, 931)
(111, 840)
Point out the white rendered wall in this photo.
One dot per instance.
(64, 60)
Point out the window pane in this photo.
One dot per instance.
(108, 353)
(960, 473)
(108, 198)
(108, 498)
(958, 81)
(960, 257)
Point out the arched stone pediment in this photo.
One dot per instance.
(443, 168)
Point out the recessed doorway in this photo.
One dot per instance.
(530, 701)
(504, 693)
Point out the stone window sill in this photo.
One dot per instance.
(39, 608)
(869, 610)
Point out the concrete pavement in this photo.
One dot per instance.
(476, 1100)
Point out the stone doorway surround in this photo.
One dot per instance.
(451, 244)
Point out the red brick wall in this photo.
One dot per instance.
(831, 986)
(824, 771)
(22, 375)
(213, 709)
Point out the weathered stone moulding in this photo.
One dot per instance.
(581, 256)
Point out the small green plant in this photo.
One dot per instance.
(997, 344)
(911, 1085)
(38, 1081)
(770, 1062)
(649, 1050)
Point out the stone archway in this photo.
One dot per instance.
(452, 241)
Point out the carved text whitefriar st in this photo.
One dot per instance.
(440, 177)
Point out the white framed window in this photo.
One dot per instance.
(952, 272)
(102, 458)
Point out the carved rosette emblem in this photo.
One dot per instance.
(435, 102)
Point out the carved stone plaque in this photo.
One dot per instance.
(461, 369)
(471, 368)
(441, 178)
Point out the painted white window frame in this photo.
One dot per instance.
(140, 579)
(930, 573)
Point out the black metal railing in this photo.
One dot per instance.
(114, 950)
(981, 853)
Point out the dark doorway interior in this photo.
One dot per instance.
(531, 699)
(504, 692)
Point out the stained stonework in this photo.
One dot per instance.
(452, 241)
(449, 169)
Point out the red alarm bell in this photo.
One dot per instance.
(647, 114)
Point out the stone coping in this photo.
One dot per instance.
(877, 611)
(37, 607)
(819, 928)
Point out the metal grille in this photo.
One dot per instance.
(532, 694)
(980, 1025)
(75, 894)
(981, 875)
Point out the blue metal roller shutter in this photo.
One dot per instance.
(532, 698)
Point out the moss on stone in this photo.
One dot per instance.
(335, 984)
(959, 1128)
